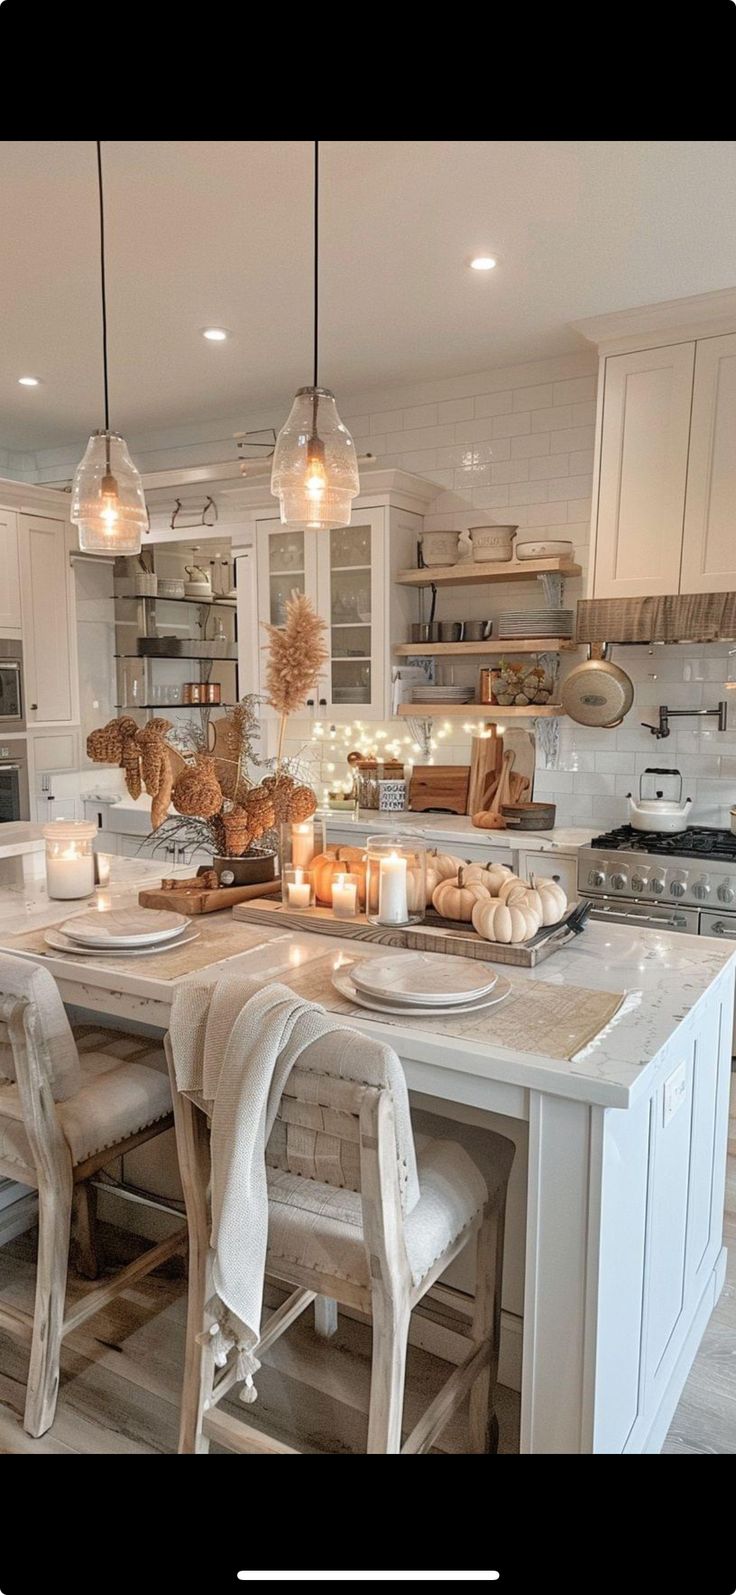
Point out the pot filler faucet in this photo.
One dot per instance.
(665, 715)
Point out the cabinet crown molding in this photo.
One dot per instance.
(30, 498)
(698, 316)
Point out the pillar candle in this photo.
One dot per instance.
(392, 900)
(344, 897)
(299, 891)
(71, 875)
(302, 844)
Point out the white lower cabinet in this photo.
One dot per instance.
(560, 867)
(49, 638)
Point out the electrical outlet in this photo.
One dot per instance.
(675, 1092)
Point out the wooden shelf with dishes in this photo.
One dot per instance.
(489, 711)
(444, 650)
(469, 574)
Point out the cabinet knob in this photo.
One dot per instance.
(34, 705)
(310, 703)
(323, 703)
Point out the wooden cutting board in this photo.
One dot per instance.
(440, 786)
(485, 768)
(208, 901)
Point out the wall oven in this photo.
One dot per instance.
(14, 795)
(12, 710)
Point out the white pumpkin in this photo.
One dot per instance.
(554, 900)
(454, 899)
(444, 865)
(492, 876)
(518, 895)
(496, 921)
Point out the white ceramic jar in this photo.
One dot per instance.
(440, 548)
(491, 543)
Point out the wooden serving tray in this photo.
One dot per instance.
(208, 901)
(435, 935)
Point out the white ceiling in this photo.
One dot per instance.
(209, 232)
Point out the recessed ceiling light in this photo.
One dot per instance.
(482, 263)
(28, 382)
(215, 334)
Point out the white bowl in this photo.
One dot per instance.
(439, 548)
(491, 543)
(551, 550)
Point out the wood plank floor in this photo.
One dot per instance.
(121, 1375)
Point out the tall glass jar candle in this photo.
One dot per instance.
(70, 859)
(396, 880)
(301, 841)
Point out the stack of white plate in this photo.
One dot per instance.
(420, 983)
(425, 694)
(133, 931)
(536, 623)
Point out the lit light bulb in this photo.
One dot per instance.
(110, 506)
(315, 482)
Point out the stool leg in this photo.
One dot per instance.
(391, 1315)
(325, 1316)
(194, 1164)
(85, 1229)
(483, 1423)
(54, 1224)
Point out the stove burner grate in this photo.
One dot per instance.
(696, 841)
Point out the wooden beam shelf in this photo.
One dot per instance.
(468, 575)
(529, 645)
(488, 711)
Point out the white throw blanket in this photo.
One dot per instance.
(235, 1043)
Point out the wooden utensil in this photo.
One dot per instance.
(486, 760)
(501, 794)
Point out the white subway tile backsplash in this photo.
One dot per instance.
(421, 415)
(420, 437)
(576, 391)
(530, 492)
(544, 466)
(494, 403)
(581, 462)
(584, 414)
(555, 420)
(387, 420)
(575, 437)
(510, 471)
(530, 443)
(506, 426)
(571, 487)
(455, 410)
(536, 398)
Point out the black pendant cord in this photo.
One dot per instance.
(104, 297)
(316, 263)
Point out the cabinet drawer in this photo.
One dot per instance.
(58, 751)
(560, 867)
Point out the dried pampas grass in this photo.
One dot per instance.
(296, 653)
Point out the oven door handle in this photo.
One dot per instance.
(678, 922)
(719, 929)
(9, 766)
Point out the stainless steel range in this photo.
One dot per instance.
(684, 882)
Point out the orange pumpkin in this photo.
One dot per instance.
(337, 861)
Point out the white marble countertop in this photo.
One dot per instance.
(663, 975)
(20, 836)
(458, 829)
(26, 905)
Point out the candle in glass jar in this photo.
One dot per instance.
(299, 891)
(344, 897)
(70, 874)
(302, 844)
(393, 908)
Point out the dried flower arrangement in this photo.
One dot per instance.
(205, 772)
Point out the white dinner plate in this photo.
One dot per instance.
(124, 927)
(423, 978)
(342, 981)
(64, 944)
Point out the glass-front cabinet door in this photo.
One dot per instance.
(350, 567)
(343, 572)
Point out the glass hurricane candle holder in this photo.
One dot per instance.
(345, 896)
(70, 859)
(396, 882)
(297, 888)
(301, 841)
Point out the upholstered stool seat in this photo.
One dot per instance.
(70, 1103)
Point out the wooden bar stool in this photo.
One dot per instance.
(339, 1229)
(66, 1111)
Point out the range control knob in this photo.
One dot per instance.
(619, 881)
(656, 885)
(639, 881)
(677, 888)
(701, 889)
(596, 877)
(725, 892)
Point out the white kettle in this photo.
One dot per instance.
(657, 812)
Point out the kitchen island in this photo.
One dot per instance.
(619, 1230)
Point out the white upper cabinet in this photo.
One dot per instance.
(645, 429)
(49, 652)
(709, 542)
(9, 573)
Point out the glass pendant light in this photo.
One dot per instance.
(108, 505)
(315, 469)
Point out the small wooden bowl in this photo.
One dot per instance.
(529, 816)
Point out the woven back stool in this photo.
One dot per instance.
(71, 1102)
(339, 1232)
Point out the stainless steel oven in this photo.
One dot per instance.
(14, 795)
(12, 710)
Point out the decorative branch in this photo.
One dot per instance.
(296, 653)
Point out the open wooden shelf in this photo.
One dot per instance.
(529, 645)
(489, 711)
(468, 574)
